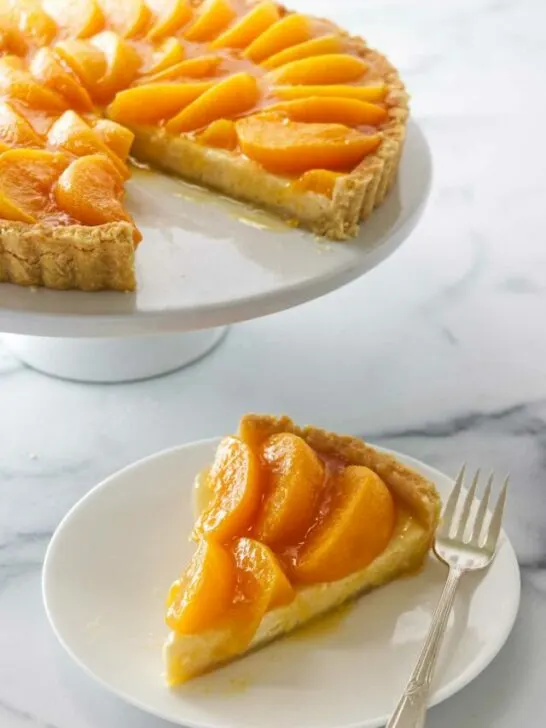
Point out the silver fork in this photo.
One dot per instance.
(463, 543)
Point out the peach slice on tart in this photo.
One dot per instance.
(117, 137)
(75, 18)
(122, 64)
(212, 18)
(169, 17)
(73, 135)
(155, 102)
(19, 84)
(129, 18)
(199, 68)
(30, 18)
(289, 31)
(47, 66)
(299, 521)
(166, 53)
(250, 27)
(15, 131)
(27, 178)
(86, 60)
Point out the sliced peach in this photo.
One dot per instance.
(220, 134)
(122, 64)
(191, 68)
(86, 60)
(362, 93)
(15, 131)
(214, 17)
(116, 137)
(170, 16)
(71, 133)
(8, 209)
(19, 84)
(293, 148)
(169, 52)
(90, 190)
(295, 478)
(333, 68)
(227, 99)
(77, 18)
(12, 40)
(319, 181)
(315, 47)
(249, 27)
(154, 102)
(324, 110)
(46, 66)
(128, 18)
(13, 62)
(286, 32)
(27, 177)
(261, 582)
(204, 592)
(355, 531)
(236, 492)
(30, 18)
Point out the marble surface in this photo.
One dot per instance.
(440, 353)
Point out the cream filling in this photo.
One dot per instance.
(243, 179)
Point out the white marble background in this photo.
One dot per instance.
(441, 352)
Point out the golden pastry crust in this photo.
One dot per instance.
(68, 257)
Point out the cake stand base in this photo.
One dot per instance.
(110, 360)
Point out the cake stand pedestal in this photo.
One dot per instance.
(113, 359)
(205, 262)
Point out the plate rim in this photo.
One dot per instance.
(440, 695)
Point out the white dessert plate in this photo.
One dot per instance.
(111, 560)
(209, 261)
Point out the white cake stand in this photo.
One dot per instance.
(205, 262)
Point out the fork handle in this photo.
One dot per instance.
(412, 708)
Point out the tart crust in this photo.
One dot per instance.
(418, 513)
(68, 257)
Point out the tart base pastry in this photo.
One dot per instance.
(418, 511)
(69, 257)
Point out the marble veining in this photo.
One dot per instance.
(439, 353)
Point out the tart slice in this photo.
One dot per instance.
(295, 522)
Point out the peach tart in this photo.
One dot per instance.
(277, 108)
(293, 523)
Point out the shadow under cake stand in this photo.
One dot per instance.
(205, 262)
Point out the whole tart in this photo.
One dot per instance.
(273, 107)
(293, 523)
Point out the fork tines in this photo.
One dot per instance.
(458, 522)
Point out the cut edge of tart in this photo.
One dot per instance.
(68, 257)
(337, 216)
(187, 655)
